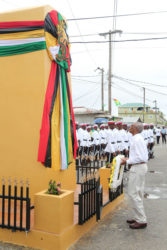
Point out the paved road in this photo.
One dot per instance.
(113, 232)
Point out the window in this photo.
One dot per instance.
(140, 109)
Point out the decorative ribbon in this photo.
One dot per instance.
(116, 173)
(58, 141)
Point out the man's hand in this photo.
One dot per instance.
(123, 161)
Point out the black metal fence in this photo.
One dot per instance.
(84, 172)
(87, 200)
(15, 206)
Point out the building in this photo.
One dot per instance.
(130, 120)
(88, 115)
(136, 110)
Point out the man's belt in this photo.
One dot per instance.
(151, 136)
(112, 142)
(139, 163)
(130, 165)
(145, 138)
(119, 141)
(125, 141)
(103, 138)
(84, 140)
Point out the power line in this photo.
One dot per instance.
(84, 80)
(126, 33)
(84, 76)
(129, 92)
(113, 16)
(120, 41)
(157, 92)
(149, 83)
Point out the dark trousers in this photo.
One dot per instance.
(109, 157)
(158, 137)
(164, 138)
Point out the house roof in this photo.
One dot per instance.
(129, 120)
(133, 105)
(84, 110)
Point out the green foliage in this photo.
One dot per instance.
(54, 188)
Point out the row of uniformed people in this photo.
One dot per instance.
(112, 139)
(148, 136)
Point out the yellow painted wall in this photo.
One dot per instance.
(23, 82)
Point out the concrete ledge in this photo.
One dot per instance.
(104, 175)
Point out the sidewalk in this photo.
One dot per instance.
(114, 233)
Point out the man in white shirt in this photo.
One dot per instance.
(137, 161)
(151, 151)
(158, 134)
(103, 140)
(120, 138)
(110, 148)
(163, 134)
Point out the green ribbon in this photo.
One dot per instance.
(22, 48)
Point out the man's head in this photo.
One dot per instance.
(136, 128)
(102, 127)
(119, 125)
(111, 125)
(163, 126)
(88, 128)
(95, 127)
(125, 126)
(151, 126)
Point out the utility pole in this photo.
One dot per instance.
(102, 87)
(110, 33)
(144, 103)
(155, 101)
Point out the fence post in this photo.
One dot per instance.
(9, 201)
(27, 207)
(3, 201)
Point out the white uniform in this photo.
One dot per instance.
(83, 137)
(144, 133)
(151, 135)
(120, 140)
(138, 154)
(89, 142)
(96, 138)
(125, 139)
(110, 142)
(158, 132)
(103, 136)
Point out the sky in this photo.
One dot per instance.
(142, 62)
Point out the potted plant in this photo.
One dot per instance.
(54, 188)
(54, 208)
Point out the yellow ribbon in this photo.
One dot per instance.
(112, 171)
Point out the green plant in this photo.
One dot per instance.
(54, 188)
